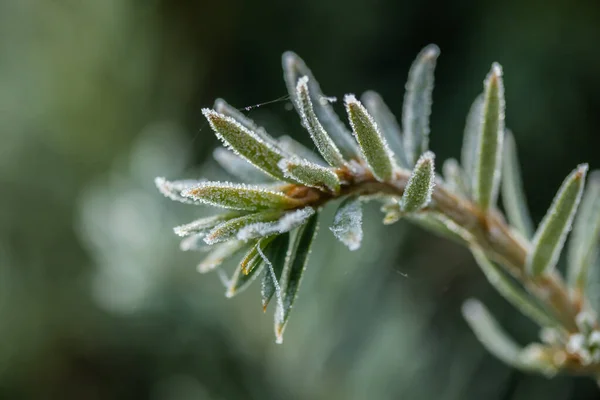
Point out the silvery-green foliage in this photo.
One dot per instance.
(420, 185)
(242, 280)
(387, 122)
(310, 174)
(238, 196)
(497, 341)
(510, 291)
(584, 243)
(489, 140)
(234, 227)
(293, 272)
(372, 143)
(238, 167)
(222, 107)
(220, 253)
(322, 140)
(294, 68)
(454, 176)
(468, 155)
(275, 223)
(203, 225)
(283, 224)
(173, 189)
(417, 103)
(246, 143)
(292, 146)
(273, 257)
(347, 223)
(513, 196)
(550, 236)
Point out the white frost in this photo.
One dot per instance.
(286, 223)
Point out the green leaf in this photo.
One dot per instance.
(583, 245)
(533, 358)
(246, 143)
(324, 143)
(387, 123)
(489, 142)
(516, 296)
(468, 157)
(419, 188)
(203, 225)
(220, 253)
(552, 232)
(347, 223)
(293, 272)
(490, 334)
(441, 225)
(222, 107)
(513, 196)
(417, 103)
(285, 223)
(240, 280)
(293, 69)
(239, 168)
(454, 177)
(372, 144)
(239, 197)
(252, 258)
(291, 146)
(274, 259)
(310, 174)
(230, 229)
(173, 189)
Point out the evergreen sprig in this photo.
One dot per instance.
(273, 214)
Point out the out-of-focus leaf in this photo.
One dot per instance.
(293, 69)
(583, 245)
(310, 174)
(293, 272)
(220, 253)
(292, 146)
(230, 229)
(347, 223)
(550, 236)
(322, 140)
(372, 144)
(417, 103)
(489, 142)
(246, 143)
(533, 358)
(387, 123)
(441, 225)
(238, 167)
(510, 291)
(513, 196)
(468, 157)
(239, 196)
(274, 257)
(490, 334)
(419, 188)
(285, 223)
(454, 176)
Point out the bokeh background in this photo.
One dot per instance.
(99, 97)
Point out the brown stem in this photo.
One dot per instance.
(489, 230)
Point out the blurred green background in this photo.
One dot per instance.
(99, 97)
